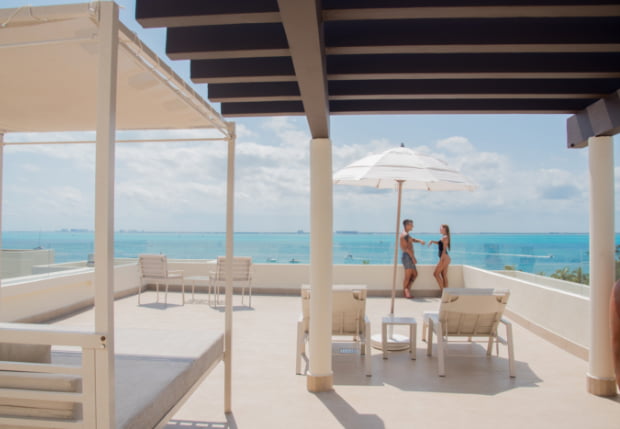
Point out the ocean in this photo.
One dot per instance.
(534, 253)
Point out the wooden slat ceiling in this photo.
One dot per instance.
(296, 57)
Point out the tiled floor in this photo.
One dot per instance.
(548, 392)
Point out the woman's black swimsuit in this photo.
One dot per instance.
(440, 247)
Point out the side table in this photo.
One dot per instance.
(393, 320)
(195, 279)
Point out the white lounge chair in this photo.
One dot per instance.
(241, 274)
(348, 319)
(468, 313)
(154, 268)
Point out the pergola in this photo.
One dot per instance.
(76, 67)
(322, 58)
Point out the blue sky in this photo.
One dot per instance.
(528, 180)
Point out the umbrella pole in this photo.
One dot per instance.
(394, 341)
(396, 246)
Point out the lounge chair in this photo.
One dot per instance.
(349, 319)
(241, 274)
(154, 268)
(468, 313)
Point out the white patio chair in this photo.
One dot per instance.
(468, 313)
(241, 274)
(349, 319)
(154, 268)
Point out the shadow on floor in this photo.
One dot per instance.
(347, 416)
(468, 371)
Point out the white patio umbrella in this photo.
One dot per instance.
(402, 168)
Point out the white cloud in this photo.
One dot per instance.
(455, 144)
(182, 186)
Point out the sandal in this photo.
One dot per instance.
(407, 293)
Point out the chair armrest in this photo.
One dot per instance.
(505, 321)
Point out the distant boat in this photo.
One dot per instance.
(272, 260)
(300, 231)
(293, 261)
(347, 232)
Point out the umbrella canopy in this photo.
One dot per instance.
(414, 169)
(402, 168)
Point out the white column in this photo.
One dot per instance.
(320, 376)
(230, 211)
(104, 212)
(600, 377)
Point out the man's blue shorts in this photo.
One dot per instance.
(408, 262)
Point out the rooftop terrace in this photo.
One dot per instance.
(547, 392)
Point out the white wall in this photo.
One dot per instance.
(560, 316)
(559, 313)
(41, 297)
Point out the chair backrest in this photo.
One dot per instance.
(348, 309)
(153, 266)
(471, 312)
(241, 268)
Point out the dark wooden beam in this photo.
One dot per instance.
(268, 108)
(382, 10)
(190, 13)
(263, 91)
(472, 35)
(601, 118)
(226, 41)
(482, 65)
(567, 88)
(273, 69)
(457, 106)
(304, 31)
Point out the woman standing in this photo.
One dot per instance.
(441, 270)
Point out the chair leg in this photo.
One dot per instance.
(250, 295)
(441, 350)
(490, 345)
(183, 291)
(429, 339)
(368, 354)
(511, 356)
(139, 292)
(166, 294)
(157, 291)
(300, 347)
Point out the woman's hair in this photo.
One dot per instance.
(447, 228)
(407, 221)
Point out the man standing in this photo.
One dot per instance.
(408, 259)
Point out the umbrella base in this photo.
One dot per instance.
(395, 342)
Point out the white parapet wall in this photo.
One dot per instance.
(21, 262)
(547, 307)
(42, 297)
(288, 278)
(557, 315)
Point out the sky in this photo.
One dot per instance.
(528, 180)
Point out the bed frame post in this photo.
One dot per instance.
(104, 213)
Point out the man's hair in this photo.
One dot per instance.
(406, 221)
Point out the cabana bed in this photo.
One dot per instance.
(77, 68)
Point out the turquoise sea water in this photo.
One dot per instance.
(533, 253)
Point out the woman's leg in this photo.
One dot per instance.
(437, 275)
(445, 263)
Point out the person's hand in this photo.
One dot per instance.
(422, 242)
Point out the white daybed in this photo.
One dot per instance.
(77, 68)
